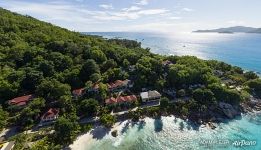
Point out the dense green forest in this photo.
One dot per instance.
(48, 61)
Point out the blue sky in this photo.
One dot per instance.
(140, 15)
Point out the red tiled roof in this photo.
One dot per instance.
(116, 84)
(20, 101)
(95, 86)
(78, 91)
(50, 113)
(111, 100)
(121, 99)
(21, 104)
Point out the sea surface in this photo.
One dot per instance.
(240, 49)
(170, 133)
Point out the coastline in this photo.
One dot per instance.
(96, 133)
(166, 127)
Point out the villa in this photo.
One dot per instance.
(21, 101)
(121, 100)
(78, 92)
(119, 85)
(150, 96)
(166, 63)
(50, 116)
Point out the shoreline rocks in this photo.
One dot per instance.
(228, 110)
(114, 133)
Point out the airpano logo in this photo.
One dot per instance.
(225, 143)
(241, 143)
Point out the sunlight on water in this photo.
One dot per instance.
(243, 50)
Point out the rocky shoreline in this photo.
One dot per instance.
(222, 113)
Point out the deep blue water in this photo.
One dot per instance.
(243, 50)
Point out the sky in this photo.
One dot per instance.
(140, 15)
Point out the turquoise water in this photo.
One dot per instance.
(243, 50)
(168, 133)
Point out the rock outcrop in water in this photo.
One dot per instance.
(114, 133)
(228, 110)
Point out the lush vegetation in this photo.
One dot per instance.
(3, 118)
(48, 61)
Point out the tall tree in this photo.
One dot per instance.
(89, 67)
(52, 89)
(66, 130)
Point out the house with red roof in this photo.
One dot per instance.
(119, 85)
(21, 101)
(78, 92)
(121, 100)
(51, 115)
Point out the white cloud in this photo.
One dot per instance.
(187, 9)
(236, 22)
(81, 18)
(175, 18)
(128, 15)
(132, 8)
(152, 11)
(105, 6)
(142, 2)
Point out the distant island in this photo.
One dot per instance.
(230, 30)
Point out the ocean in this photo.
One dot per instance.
(240, 49)
(170, 133)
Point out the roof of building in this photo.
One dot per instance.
(50, 113)
(78, 91)
(118, 83)
(121, 99)
(22, 100)
(144, 95)
(111, 100)
(150, 94)
(95, 86)
(166, 62)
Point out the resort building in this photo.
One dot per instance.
(150, 96)
(78, 92)
(119, 85)
(166, 63)
(21, 101)
(51, 115)
(121, 100)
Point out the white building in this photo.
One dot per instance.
(150, 96)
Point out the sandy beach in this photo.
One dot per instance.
(99, 132)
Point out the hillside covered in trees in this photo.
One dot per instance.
(50, 62)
